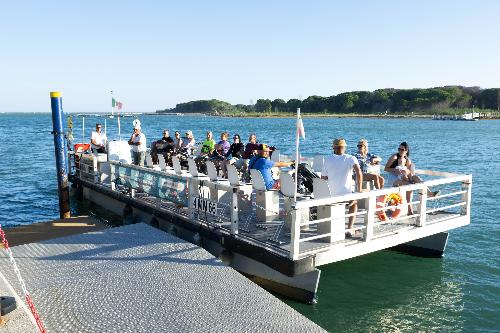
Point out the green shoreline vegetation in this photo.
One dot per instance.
(448, 100)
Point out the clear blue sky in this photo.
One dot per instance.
(155, 54)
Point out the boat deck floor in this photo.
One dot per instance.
(137, 278)
(276, 234)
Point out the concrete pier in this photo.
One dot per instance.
(140, 279)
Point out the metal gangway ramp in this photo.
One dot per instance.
(137, 278)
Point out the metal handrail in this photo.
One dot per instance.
(365, 195)
(372, 209)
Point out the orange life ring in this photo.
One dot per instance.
(392, 199)
(81, 147)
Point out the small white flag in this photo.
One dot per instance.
(300, 129)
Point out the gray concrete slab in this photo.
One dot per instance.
(140, 279)
(17, 321)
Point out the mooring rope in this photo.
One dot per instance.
(27, 295)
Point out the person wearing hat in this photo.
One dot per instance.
(262, 163)
(337, 169)
(138, 143)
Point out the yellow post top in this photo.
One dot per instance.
(55, 94)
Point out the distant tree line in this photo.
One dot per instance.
(381, 101)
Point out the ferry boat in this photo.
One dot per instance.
(275, 238)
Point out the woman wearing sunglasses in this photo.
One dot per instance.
(402, 172)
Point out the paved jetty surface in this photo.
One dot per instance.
(30, 233)
(19, 320)
(139, 279)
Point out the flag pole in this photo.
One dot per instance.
(297, 140)
(119, 130)
(112, 105)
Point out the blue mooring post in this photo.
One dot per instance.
(60, 150)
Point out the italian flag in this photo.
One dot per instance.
(115, 103)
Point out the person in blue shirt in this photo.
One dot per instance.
(262, 163)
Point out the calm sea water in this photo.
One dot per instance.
(381, 292)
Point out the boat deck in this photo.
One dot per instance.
(277, 234)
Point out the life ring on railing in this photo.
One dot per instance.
(393, 199)
(81, 147)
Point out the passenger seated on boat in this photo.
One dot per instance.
(262, 163)
(221, 149)
(188, 143)
(208, 145)
(338, 169)
(163, 146)
(366, 161)
(250, 151)
(138, 143)
(233, 155)
(98, 140)
(177, 141)
(207, 149)
(401, 172)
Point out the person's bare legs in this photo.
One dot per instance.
(353, 208)
(399, 183)
(224, 164)
(377, 180)
(416, 180)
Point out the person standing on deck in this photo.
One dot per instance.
(98, 140)
(337, 169)
(138, 143)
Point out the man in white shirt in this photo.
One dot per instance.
(138, 143)
(98, 140)
(337, 169)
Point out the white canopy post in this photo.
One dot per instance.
(297, 155)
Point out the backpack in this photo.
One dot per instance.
(306, 176)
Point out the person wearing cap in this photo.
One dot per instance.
(262, 163)
(188, 142)
(138, 143)
(98, 140)
(337, 169)
(366, 161)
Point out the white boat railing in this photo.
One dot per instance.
(307, 231)
(371, 212)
